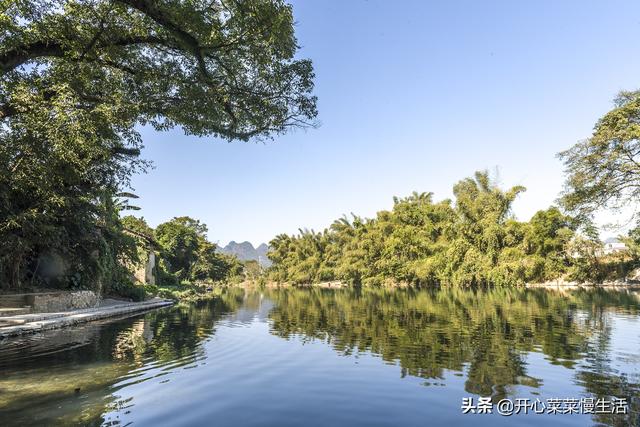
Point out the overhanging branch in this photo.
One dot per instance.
(15, 57)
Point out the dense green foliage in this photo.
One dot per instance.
(186, 259)
(187, 254)
(77, 78)
(471, 241)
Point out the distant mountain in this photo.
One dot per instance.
(245, 251)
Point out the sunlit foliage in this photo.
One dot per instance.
(473, 240)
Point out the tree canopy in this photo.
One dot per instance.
(603, 171)
(223, 68)
(77, 80)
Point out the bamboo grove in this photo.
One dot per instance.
(471, 240)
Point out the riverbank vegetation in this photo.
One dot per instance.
(79, 79)
(187, 265)
(471, 240)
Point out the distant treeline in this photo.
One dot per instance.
(472, 240)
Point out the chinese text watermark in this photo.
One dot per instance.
(507, 407)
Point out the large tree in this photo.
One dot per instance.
(604, 170)
(78, 78)
(222, 68)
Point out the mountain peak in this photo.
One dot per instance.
(245, 252)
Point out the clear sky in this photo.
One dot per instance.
(412, 95)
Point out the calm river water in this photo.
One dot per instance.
(333, 358)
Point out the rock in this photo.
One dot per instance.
(84, 299)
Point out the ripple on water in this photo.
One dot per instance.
(302, 357)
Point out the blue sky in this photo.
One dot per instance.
(412, 95)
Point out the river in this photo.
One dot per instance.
(319, 357)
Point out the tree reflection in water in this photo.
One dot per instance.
(72, 376)
(490, 338)
(487, 334)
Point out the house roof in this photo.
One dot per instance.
(612, 240)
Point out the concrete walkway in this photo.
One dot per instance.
(31, 323)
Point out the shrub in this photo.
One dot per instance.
(129, 290)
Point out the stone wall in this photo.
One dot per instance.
(62, 301)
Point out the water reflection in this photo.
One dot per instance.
(187, 364)
(486, 334)
(72, 376)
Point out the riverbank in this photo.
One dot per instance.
(551, 284)
(32, 323)
(562, 284)
(190, 292)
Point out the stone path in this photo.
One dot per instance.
(31, 323)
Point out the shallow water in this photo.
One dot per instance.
(332, 357)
